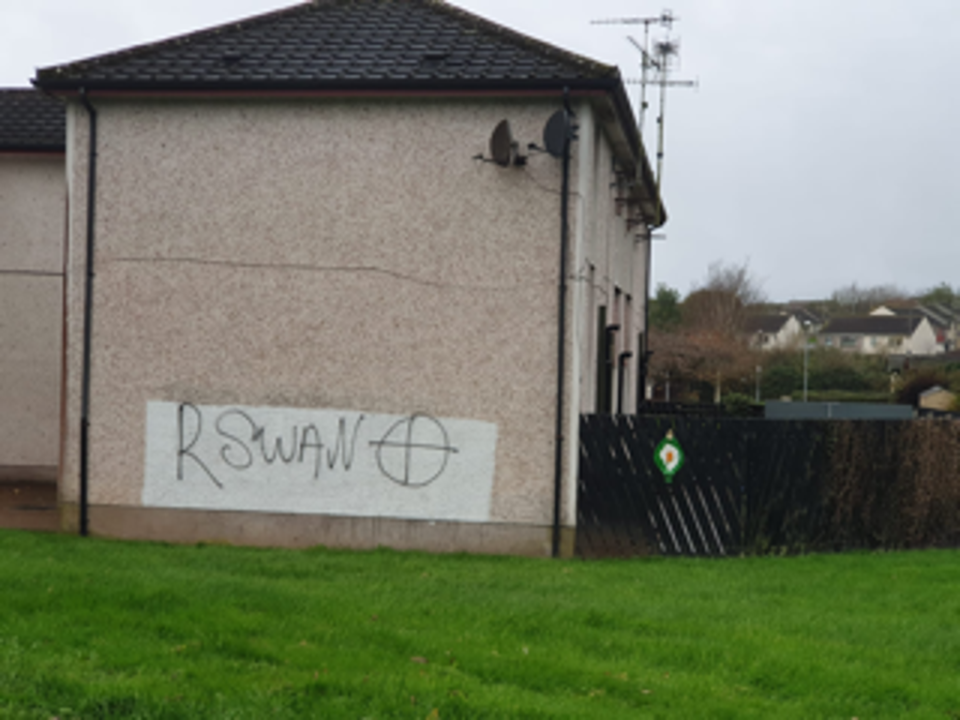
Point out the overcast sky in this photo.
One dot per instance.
(820, 145)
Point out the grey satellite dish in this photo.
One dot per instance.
(501, 144)
(556, 132)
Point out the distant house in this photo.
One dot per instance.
(772, 332)
(880, 334)
(942, 319)
(810, 319)
(329, 301)
(32, 211)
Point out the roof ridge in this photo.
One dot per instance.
(540, 47)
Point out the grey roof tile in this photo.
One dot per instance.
(322, 43)
(872, 325)
(764, 323)
(31, 122)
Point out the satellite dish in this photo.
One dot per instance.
(501, 144)
(556, 132)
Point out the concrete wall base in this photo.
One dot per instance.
(28, 473)
(297, 531)
(29, 504)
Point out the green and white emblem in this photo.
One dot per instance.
(668, 456)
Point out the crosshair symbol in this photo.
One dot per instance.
(414, 451)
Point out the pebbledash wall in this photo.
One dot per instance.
(325, 321)
(32, 195)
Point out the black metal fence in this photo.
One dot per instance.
(661, 407)
(750, 486)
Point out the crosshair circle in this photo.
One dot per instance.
(414, 451)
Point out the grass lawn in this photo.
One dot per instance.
(100, 629)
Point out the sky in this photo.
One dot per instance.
(819, 146)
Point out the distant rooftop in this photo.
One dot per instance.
(872, 325)
(31, 122)
(769, 324)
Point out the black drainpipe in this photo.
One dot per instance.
(621, 378)
(87, 315)
(562, 323)
(645, 349)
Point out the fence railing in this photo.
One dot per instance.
(751, 486)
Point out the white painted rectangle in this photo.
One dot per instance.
(326, 462)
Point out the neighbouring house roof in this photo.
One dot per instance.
(936, 314)
(770, 324)
(802, 311)
(936, 318)
(948, 314)
(31, 121)
(805, 315)
(872, 325)
(360, 46)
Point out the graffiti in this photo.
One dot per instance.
(248, 441)
(413, 452)
(417, 451)
(324, 461)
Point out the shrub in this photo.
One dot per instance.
(738, 404)
(915, 383)
(781, 380)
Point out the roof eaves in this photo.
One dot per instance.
(69, 86)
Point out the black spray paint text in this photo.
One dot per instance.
(247, 444)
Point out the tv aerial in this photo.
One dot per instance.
(647, 61)
(658, 61)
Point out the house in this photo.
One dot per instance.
(805, 313)
(942, 319)
(879, 334)
(32, 207)
(772, 332)
(348, 274)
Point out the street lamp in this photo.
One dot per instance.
(759, 345)
(806, 354)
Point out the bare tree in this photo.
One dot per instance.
(708, 346)
(703, 356)
(856, 300)
(720, 304)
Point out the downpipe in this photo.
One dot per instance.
(87, 316)
(562, 323)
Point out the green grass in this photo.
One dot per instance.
(100, 629)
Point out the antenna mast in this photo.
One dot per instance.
(665, 51)
(647, 61)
